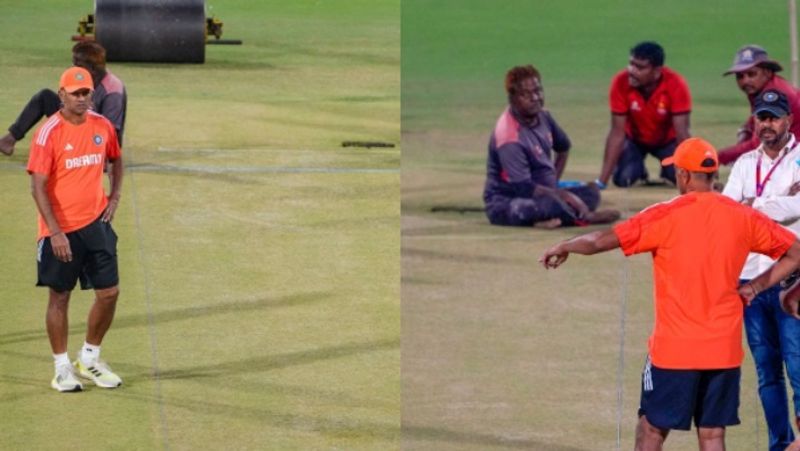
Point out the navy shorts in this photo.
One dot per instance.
(94, 260)
(672, 398)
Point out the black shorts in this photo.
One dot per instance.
(94, 260)
(671, 398)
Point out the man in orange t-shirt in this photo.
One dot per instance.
(76, 241)
(699, 242)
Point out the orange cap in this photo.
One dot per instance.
(694, 155)
(76, 78)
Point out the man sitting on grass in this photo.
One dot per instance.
(521, 176)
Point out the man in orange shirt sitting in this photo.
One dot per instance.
(699, 242)
(76, 241)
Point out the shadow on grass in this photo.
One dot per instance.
(272, 362)
(440, 188)
(458, 225)
(365, 99)
(251, 365)
(462, 258)
(140, 320)
(408, 281)
(336, 424)
(33, 388)
(230, 64)
(350, 58)
(475, 438)
(333, 426)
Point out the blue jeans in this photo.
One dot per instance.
(774, 339)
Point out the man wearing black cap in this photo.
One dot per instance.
(756, 73)
(763, 178)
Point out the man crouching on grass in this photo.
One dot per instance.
(699, 242)
(67, 157)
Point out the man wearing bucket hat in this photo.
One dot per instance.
(699, 242)
(764, 178)
(76, 241)
(755, 73)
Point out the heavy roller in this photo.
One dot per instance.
(164, 31)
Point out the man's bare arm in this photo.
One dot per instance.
(681, 124)
(777, 272)
(116, 190)
(614, 143)
(58, 239)
(587, 244)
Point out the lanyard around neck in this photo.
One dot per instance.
(761, 184)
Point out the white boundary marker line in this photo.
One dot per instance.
(623, 312)
(269, 149)
(256, 169)
(151, 323)
(148, 167)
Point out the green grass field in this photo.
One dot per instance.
(497, 353)
(259, 259)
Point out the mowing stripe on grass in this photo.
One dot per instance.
(151, 324)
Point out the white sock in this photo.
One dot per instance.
(61, 359)
(89, 353)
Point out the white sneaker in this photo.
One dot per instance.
(64, 380)
(100, 373)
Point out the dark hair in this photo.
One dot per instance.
(90, 55)
(649, 51)
(708, 176)
(517, 74)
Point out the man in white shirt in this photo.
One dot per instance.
(764, 178)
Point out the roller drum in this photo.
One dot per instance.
(151, 30)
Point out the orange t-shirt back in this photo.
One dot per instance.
(699, 242)
(73, 158)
